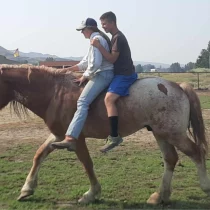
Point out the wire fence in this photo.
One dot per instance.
(199, 80)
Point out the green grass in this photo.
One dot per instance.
(205, 101)
(128, 176)
(200, 70)
(191, 77)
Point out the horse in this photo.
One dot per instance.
(169, 109)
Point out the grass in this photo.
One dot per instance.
(205, 101)
(127, 176)
(200, 70)
(191, 78)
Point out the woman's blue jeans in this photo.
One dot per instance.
(92, 89)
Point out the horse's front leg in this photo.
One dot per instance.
(84, 156)
(31, 181)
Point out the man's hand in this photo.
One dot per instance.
(95, 42)
(80, 80)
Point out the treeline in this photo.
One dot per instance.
(203, 61)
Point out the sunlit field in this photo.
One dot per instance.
(128, 175)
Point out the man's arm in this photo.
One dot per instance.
(111, 57)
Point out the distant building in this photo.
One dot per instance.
(153, 70)
(58, 64)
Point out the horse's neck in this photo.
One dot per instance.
(41, 95)
(31, 89)
(36, 100)
(39, 90)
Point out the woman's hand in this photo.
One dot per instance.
(80, 80)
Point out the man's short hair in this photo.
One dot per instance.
(110, 16)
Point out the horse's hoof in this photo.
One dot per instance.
(85, 200)
(90, 196)
(154, 199)
(25, 194)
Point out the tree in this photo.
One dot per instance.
(189, 66)
(25, 62)
(138, 68)
(208, 48)
(148, 67)
(203, 60)
(175, 67)
(49, 59)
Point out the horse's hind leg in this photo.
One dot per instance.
(188, 147)
(31, 181)
(170, 158)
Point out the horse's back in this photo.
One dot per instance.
(152, 101)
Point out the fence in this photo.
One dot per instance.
(199, 80)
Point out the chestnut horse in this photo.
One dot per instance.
(167, 108)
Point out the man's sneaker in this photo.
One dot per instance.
(111, 142)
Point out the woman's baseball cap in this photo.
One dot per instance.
(89, 22)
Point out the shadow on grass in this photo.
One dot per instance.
(33, 199)
(175, 204)
(111, 204)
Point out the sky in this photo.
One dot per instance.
(164, 31)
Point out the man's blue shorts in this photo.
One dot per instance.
(121, 83)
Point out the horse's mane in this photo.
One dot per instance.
(19, 109)
(49, 72)
(46, 71)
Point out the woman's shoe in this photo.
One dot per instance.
(69, 145)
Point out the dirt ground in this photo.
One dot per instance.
(14, 131)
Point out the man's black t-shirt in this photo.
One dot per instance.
(124, 63)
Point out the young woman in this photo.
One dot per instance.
(98, 71)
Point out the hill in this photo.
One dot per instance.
(35, 57)
(31, 57)
(4, 60)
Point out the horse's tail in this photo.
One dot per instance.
(196, 118)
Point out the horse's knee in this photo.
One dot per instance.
(43, 150)
(83, 154)
(171, 160)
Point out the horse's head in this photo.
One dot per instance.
(6, 93)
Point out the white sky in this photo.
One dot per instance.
(165, 31)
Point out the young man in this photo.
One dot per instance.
(124, 72)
